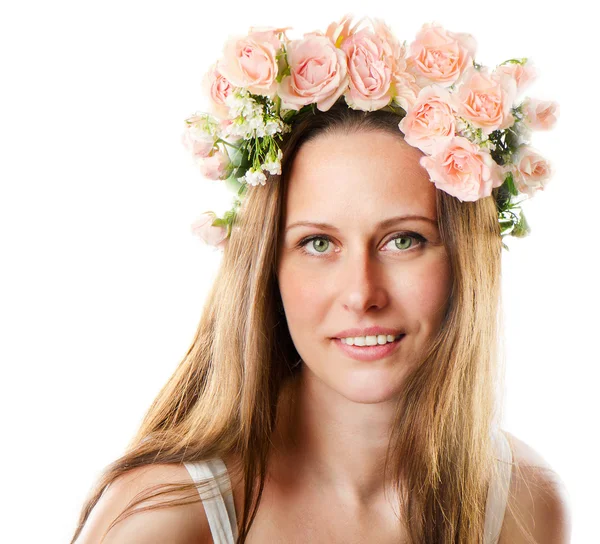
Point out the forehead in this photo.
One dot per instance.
(364, 176)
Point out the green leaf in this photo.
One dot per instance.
(511, 140)
(510, 183)
(522, 228)
(289, 115)
(236, 156)
(285, 72)
(229, 216)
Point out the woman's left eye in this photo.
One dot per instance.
(403, 241)
(400, 239)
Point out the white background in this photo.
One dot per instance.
(102, 283)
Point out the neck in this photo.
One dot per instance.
(329, 441)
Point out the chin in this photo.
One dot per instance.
(370, 394)
(372, 382)
(368, 385)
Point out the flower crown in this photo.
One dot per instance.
(462, 116)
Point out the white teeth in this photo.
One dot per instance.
(368, 340)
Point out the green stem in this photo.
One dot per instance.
(219, 140)
(277, 104)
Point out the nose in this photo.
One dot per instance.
(363, 285)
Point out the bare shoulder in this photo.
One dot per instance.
(178, 525)
(539, 495)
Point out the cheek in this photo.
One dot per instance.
(425, 292)
(307, 295)
(303, 291)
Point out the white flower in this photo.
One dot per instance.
(274, 166)
(256, 123)
(237, 129)
(235, 104)
(252, 177)
(240, 103)
(247, 115)
(275, 126)
(249, 118)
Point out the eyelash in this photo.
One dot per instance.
(414, 235)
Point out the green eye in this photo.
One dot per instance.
(401, 242)
(320, 244)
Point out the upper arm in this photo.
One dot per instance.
(541, 498)
(178, 525)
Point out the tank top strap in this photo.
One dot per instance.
(497, 497)
(218, 503)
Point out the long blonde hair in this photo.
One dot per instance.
(222, 399)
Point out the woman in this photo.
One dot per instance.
(343, 380)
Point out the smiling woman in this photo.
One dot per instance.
(342, 385)
(369, 269)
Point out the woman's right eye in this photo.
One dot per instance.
(320, 246)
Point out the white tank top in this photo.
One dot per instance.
(220, 509)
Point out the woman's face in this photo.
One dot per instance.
(361, 265)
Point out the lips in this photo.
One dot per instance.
(369, 353)
(369, 331)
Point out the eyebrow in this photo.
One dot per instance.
(383, 224)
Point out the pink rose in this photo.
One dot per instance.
(404, 84)
(396, 50)
(251, 62)
(524, 75)
(531, 171)
(209, 234)
(338, 32)
(200, 134)
(540, 115)
(439, 56)
(318, 73)
(461, 169)
(486, 100)
(215, 166)
(218, 88)
(370, 66)
(431, 118)
(403, 88)
(406, 90)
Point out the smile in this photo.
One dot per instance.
(368, 352)
(370, 340)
